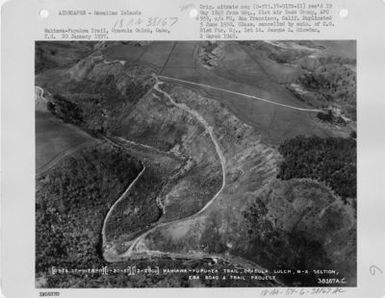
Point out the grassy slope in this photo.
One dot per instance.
(242, 69)
(54, 137)
(50, 55)
(324, 71)
(104, 90)
(223, 229)
(346, 48)
(246, 75)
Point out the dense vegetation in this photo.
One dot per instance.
(330, 160)
(331, 84)
(71, 203)
(335, 80)
(275, 248)
(65, 110)
(300, 224)
(97, 105)
(325, 78)
(328, 116)
(138, 210)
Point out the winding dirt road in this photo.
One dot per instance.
(195, 255)
(222, 159)
(237, 261)
(210, 130)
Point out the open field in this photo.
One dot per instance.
(183, 55)
(344, 49)
(241, 69)
(60, 54)
(277, 123)
(54, 138)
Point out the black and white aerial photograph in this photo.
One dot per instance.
(178, 164)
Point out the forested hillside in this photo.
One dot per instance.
(330, 160)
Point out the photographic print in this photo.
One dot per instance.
(195, 163)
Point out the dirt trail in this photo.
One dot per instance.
(241, 94)
(60, 156)
(210, 130)
(122, 196)
(193, 255)
(39, 92)
(222, 159)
